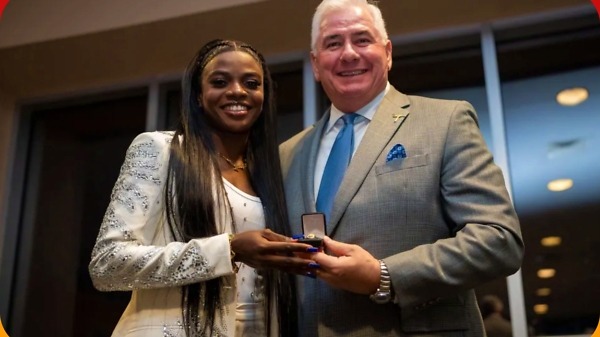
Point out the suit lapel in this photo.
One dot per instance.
(390, 114)
(307, 171)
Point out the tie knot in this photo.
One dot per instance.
(349, 118)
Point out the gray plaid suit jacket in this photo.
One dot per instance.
(441, 219)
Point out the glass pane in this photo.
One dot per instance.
(548, 141)
(172, 94)
(417, 68)
(73, 162)
(287, 80)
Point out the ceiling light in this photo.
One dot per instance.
(559, 185)
(572, 96)
(543, 292)
(551, 241)
(540, 309)
(546, 273)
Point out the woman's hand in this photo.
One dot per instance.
(263, 249)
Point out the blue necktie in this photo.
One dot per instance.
(338, 161)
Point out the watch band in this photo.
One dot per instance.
(384, 292)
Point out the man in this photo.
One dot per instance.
(494, 323)
(421, 193)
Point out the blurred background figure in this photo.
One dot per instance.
(494, 322)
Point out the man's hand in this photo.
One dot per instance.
(350, 267)
(263, 249)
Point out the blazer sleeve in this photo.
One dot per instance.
(133, 249)
(486, 240)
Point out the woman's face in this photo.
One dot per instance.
(232, 92)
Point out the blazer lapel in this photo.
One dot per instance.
(307, 171)
(390, 114)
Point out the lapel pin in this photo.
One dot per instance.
(397, 117)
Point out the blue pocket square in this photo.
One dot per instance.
(396, 152)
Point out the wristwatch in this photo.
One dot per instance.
(384, 292)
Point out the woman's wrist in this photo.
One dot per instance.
(232, 254)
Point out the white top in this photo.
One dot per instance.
(248, 215)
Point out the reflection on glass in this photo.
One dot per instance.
(543, 292)
(547, 141)
(540, 309)
(546, 273)
(551, 241)
(572, 96)
(559, 185)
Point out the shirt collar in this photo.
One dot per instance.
(366, 111)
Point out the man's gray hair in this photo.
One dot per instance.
(327, 6)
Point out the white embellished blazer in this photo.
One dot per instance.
(136, 252)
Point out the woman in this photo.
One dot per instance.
(191, 207)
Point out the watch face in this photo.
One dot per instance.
(381, 297)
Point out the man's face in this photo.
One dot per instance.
(350, 60)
